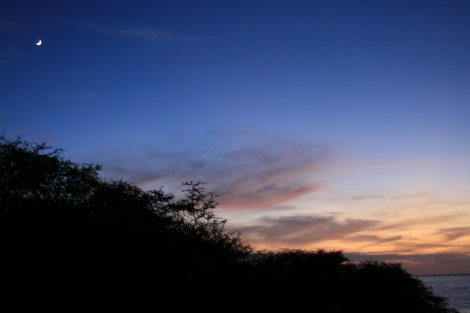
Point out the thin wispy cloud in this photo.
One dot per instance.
(257, 175)
(372, 239)
(147, 33)
(454, 233)
(422, 264)
(413, 223)
(388, 197)
(420, 244)
(367, 197)
(247, 175)
(304, 229)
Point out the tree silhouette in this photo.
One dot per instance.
(67, 234)
(62, 225)
(320, 281)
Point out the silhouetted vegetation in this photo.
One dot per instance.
(69, 235)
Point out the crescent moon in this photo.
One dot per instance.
(39, 42)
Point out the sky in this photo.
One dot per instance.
(337, 125)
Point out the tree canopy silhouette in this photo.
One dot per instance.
(62, 225)
(68, 234)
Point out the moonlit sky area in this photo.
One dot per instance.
(322, 124)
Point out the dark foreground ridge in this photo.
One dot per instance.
(69, 237)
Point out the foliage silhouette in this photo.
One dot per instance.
(62, 226)
(67, 234)
(389, 283)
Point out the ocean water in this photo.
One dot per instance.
(454, 287)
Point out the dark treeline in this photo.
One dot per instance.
(69, 236)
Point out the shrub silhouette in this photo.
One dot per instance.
(68, 235)
(62, 227)
(388, 283)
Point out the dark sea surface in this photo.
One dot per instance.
(454, 287)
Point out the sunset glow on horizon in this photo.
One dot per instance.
(332, 125)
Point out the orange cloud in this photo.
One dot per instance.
(303, 229)
(407, 224)
(258, 174)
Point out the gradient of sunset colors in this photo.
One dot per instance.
(321, 124)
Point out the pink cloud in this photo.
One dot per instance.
(247, 174)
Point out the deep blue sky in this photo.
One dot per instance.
(329, 124)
